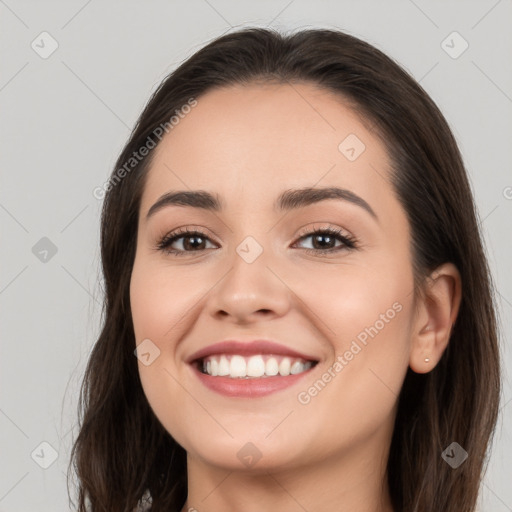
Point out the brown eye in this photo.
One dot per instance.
(186, 242)
(324, 241)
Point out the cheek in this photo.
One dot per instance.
(365, 314)
(153, 317)
(362, 306)
(355, 300)
(159, 297)
(157, 307)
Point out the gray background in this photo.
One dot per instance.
(65, 118)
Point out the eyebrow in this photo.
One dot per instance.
(289, 200)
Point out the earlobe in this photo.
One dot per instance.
(436, 314)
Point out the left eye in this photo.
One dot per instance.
(322, 240)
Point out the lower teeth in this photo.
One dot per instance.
(246, 377)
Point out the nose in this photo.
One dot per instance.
(250, 292)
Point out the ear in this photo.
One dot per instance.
(436, 313)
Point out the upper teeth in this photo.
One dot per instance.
(237, 366)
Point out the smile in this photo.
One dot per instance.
(249, 369)
(235, 366)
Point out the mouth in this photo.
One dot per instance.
(250, 369)
(258, 366)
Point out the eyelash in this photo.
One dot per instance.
(348, 241)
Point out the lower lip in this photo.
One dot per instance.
(249, 388)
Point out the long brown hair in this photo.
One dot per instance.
(123, 453)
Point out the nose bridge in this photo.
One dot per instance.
(250, 286)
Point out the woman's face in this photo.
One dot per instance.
(257, 271)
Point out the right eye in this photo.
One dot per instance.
(190, 239)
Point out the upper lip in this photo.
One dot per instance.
(248, 348)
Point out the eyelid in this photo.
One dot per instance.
(310, 229)
(189, 229)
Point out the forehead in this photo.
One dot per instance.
(252, 139)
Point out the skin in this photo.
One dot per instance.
(248, 144)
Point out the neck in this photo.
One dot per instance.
(353, 480)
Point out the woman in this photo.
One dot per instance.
(291, 251)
